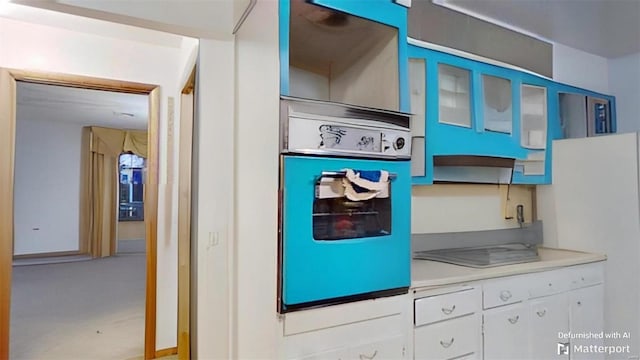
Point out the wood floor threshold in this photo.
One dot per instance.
(166, 352)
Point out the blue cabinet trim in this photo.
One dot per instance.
(284, 10)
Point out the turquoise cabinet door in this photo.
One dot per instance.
(457, 121)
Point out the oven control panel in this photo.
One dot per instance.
(347, 137)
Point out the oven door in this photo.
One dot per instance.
(335, 250)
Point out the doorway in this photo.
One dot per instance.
(8, 79)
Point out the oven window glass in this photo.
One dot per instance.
(340, 219)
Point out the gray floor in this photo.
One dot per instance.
(131, 246)
(79, 310)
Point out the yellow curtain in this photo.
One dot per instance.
(101, 150)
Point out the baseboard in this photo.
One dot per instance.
(166, 352)
(47, 254)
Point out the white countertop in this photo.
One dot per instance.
(429, 274)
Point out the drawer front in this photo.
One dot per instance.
(447, 306)
(392, 348)
(548, 283)
(448, 339)
(505, 291)
(337, 354)
(586, 275)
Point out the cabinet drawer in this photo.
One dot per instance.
(505, 291)
(447, 306)
(448, 339)
(337, 354)
(392, 348)
(548, 283)
(586, 275)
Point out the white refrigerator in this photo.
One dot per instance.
(593, 205)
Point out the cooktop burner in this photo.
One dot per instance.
(482, 257)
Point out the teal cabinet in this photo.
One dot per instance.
(467, 107)
(582, 113)
(352, 52)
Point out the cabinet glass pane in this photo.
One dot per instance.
(533, 117)
(497, 104)
(573, 115)
(417, 81)
(453, 93)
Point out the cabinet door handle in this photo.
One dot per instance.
(367, 357)
(505, 295)
(446, 344)
(542, 312)
(514, 319)
(449, 310)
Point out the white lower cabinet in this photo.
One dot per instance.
(560, 303)
(505, 332)
(548, 316)
(336, 354)
(522, 317)
(586, 317)
(392, 348)
(373, 329)
(448, 324)
(448, 339)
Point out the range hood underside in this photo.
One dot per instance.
(472, 169)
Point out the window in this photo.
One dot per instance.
(131, 191)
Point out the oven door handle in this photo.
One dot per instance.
(341, 174)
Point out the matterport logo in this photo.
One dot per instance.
(564, 348)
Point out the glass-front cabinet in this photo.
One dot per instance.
(454, 95)
(583, 113)
(533, 117)
(497, 104)
(467, 108)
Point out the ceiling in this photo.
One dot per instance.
(82, 106)
(609, 28)
(195, 18)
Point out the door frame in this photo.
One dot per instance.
(8, 78)
(187, 113)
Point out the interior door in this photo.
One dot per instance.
(7, 148)
(320, 265)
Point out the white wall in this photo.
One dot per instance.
(47, 182)
(213, 209)
(466, 207)
(306, 84)
(578, 68)
(624, 83)
(53, 49)
(256, 180)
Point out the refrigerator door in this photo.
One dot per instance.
(592, 205)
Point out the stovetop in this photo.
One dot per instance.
(482, 257)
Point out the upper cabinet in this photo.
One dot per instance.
(344, 52)
(583, 114)
(533, 117)
(464, 107)
(454, 95)
(497, 104)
